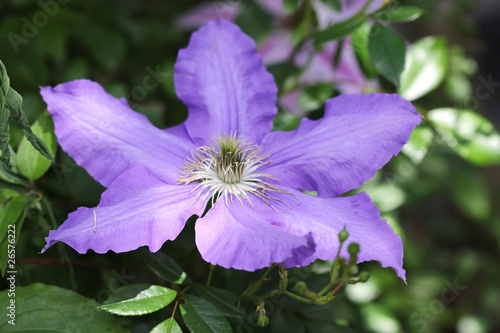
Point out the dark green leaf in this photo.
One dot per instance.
(400, 14)
(4, 115)
(426, 67)
(166, 268)
(471, 195)
(14, 103)
(4, 85)
(10, 177)
(200, 316)
(106, 46)
(168, 326)
(223, 300)
(48, 309)
(468, 133)
(31, 164)
(387, 51)
(314, 97)
(339, 30)
(138, 299)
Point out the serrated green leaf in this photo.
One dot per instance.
(14, 103)
(387, 51)
(138, 299)
(426, 67)
(400, 14)
(48, 309)
(4, 135)
(418, 145)
(12, 178)
(31, 163)
(200, 316)
(167, 269)
(468, 133)
(168, 326)
(339, 30)
(359, 42)
(223, 300)
(4, 85)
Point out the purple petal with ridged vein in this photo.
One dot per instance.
(248, 238)
(137, 210)
(326, 217)
(106, 137)
(221, 79)
(356, 137)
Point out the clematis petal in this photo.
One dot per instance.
(106, 137)
(138, 209)
(326, 217)
(221, 79)
(326, 16)
(357, 136)
(244, 238)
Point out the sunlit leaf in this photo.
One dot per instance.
(31, 163)
(426, 67)
(418, 145)
(360, 44)
(387, 51)
(200, 316)
(48, 309)
(471, 195)
(138, 299)
(168, 326)
(468, 133)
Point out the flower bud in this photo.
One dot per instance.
(353, 249)
(343, 235)
(364, 276)
(283, 283)
(263, 321)
(301, 287)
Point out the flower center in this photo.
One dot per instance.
(228, 167)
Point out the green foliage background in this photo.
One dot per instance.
(441, 194)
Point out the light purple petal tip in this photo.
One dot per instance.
(357, 136)
(137, 210)
(106, 137)
(221, 79)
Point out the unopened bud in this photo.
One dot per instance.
(301, 287)
(283, 283)
(353, 249)
(343, 235)
(263, 321)
(363, 276)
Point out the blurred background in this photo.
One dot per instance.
(441, 194)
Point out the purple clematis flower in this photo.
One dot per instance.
(225, 153)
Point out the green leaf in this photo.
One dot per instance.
(167, 269)
(290, 6)
(138, 299)
(285, 121)
(32, 164)
(14, 103)
(223, 300)
(425, 69)
(339, 30)
(418, 145)
(168, 326)
(12, 178)
(360, 45)
(11, 214)
(387, 51)
(468, 133)
(314, 97)
(48, 309)
(4, 115)
(200, 316)
(471, 195)
(400, 14)
(106, 46)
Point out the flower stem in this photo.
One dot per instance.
(210, 272)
